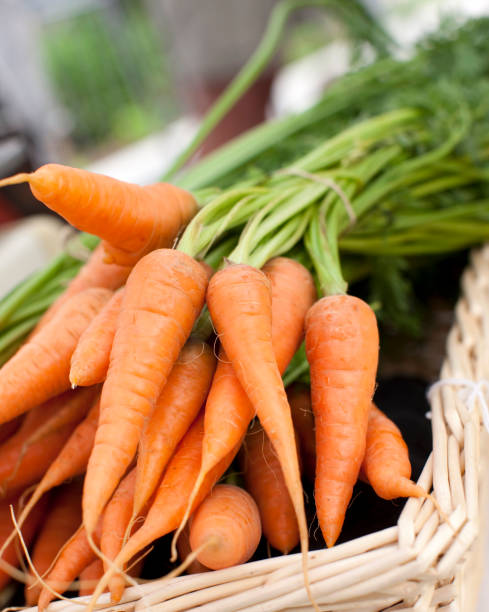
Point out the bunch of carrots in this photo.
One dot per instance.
(134, 385)
(121, 385)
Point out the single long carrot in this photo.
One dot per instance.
(170, 500)
(342, 345)
(226, 528)
(228, 410)
(90, 576)
(40, 369)
(90, 359)
(70, 462)
(176, 409)
(386, 462)
(62, 520)
(265, 481)
(164, 295)
(10, 554)
(133, 220)
(94, 273)
(299, 397)
(117, 517)
(74, 558)
(239, 301)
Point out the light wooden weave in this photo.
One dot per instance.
(422, 564)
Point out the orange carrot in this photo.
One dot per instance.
(239, 302)
(72, 407)
(225, 528)
(183, 546)
(10, 554)
(74, 558)
(133, 220)
(228, 410)
(9, 428)
(95, 273)
(116, 519)
(62, 520)
(90, 576)
(25, 456)
(300, 404)
(176, 409)
(386, 462)
(342, 345)
(265, 481)
(164, 295)
(70, 462)
(40, 369)
(170, 500)
(90, 359)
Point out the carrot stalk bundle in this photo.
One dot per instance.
(176, 409)
(62, 521)
(228, 410)
(164, 295)
(386, 464)
(225, 528)
(40, 369)
(265, 481)
(90, 359)
(132, 220)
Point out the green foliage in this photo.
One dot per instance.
(108, 69)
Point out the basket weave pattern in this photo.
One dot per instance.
(425, 562)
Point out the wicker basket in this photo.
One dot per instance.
(423, 563)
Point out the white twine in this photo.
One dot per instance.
(471, 391)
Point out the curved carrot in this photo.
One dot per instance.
(10, 554)
(342, 345)
(225, 528)
(239, 302)
(90, 576)
(170, 500)
(117, 517)
(386, 462)
(176, 409)
(70, 462)
(133, 220)
(40, 369)
(299, 397)
(91, 356)
(95, 273)
(73, 559)
(62, 521)
(265, 481)
(164, 295)
(228, 410)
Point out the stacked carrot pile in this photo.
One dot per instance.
(135, 393)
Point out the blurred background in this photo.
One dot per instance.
(119, 86)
